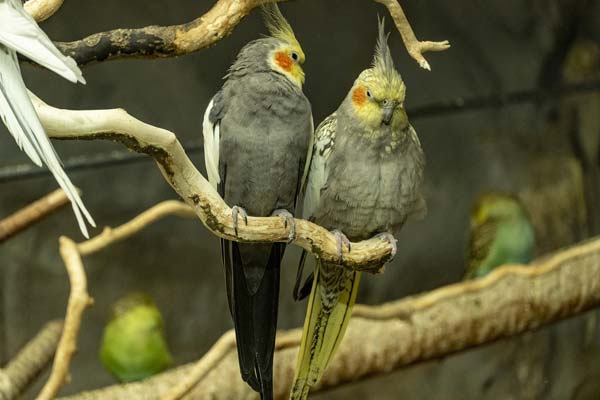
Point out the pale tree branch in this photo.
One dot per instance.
(79, 300)
(414, 47)
(30, 361)
(32, 213)
(380, 339)
(116, 125)
(41, 10)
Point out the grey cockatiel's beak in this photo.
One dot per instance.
(388, 112)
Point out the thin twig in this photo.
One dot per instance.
(194, 189)
(32, 213)
(30, 361)
(415, 47)
(110, 236)
(79, 300)
(41, 10)
(217, 353)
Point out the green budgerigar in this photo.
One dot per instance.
(364, 180)
(501, 233)
(133, 345)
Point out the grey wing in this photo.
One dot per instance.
(419, 209)
(324, 139)
(19, 116)
(19, 32)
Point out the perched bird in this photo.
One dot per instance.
(19, 33)
(257, 130)
(133, 345)
(501, 233)
(364, 180)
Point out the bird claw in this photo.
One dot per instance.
(236, 211)
(389, 238)
(341, 239)
(289, 220)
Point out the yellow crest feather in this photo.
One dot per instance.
(383, 64)
(277, 25)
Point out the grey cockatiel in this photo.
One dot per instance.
(256, 137)
(19, 33)
(364, 180)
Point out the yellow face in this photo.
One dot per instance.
(495, 205)
(379, 105)
(288, 60)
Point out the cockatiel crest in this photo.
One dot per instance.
(289, 57)
(378, 92)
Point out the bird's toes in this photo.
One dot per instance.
(289, 220)
(236, 211)
(389, 238)
(340, 241)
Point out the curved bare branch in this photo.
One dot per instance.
(162, 145)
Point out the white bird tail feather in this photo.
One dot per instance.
(18, 113)
(19, 32)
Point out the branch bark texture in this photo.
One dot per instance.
(380, 339)
(30, 361)
(162, 41)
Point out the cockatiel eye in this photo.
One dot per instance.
(369, 94)
(295, 56)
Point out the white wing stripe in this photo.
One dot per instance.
(212, 136)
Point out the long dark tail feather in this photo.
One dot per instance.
(252, 274)
(302, 290)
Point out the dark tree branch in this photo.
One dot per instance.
(162, 41)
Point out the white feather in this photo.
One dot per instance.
(212, 137)
(23, 123)
(19, 32)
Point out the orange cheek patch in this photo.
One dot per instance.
(359, 96)
(284, 61)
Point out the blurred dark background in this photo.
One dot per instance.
(543, 150)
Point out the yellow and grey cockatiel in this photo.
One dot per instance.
(257, 130)
(19, 33)
(364, 180)
(133, 344)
